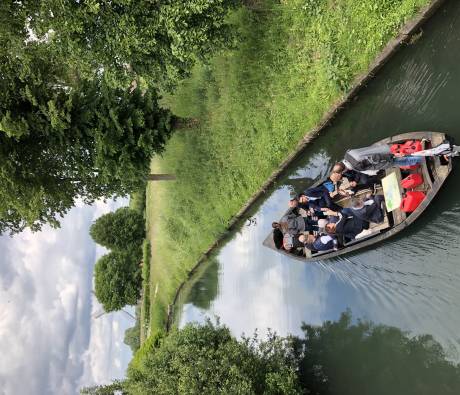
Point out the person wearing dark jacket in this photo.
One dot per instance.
(321, 196)
(347, 227)
(357, 180)
(319, 243)
(370, 210)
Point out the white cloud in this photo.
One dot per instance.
(49, 343)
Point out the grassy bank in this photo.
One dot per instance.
(250, 107)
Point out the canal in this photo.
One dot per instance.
(412, 281)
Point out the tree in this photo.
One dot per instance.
(334, 358)
(118, 279)
(143, 41)
(364, 358)
(79, 113)
(132, 336)
(115, 388)
(122, 229)
(87, 143)
(208, 360)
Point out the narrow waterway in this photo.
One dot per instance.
(412, 281)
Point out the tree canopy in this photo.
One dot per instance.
(209, 360)
(338, 357)
(117, 279)
(79, 113)
(120, 230)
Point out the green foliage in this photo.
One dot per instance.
(137, 200)
(120, 230)
(151, 42)
(118, 279)
(99, 147)
(79, 117)
(145, 307)
(335, 358)
(293, 61)
(109, 389)
(207, 359)
(133, 335)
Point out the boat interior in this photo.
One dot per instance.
(431, 169)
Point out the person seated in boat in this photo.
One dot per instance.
(293, 225)
(303, 208)
(320, 242)
(321, 196)
(348, 228)
(356, 181)
(292, 244)
(370, 209)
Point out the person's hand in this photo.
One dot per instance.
(342, 192)
(303, 212)
(333, 194)
(330, 213)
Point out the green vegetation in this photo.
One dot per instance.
(145, 304)
(335, 358)
(133, 335)
(117, 279)
(120, 230)
(118, 274)
(79, 114)
(250, 107)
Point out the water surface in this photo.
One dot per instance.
(411, 281)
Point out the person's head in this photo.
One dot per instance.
(303, 199)
(330, 228)
(276, 225)
(339, 167)
(357, 203)
(335, 176)
(293, 203)
(278, 238)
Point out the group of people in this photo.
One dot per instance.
(316, 222)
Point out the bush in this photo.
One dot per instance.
(208, 360)
(121, 230)
(118, 279)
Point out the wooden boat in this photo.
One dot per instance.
(433, 172)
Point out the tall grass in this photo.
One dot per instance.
(294, 60)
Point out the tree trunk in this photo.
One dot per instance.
(161, 177)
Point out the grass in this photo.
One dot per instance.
(137, 202)
(294, 61)
(145, 302)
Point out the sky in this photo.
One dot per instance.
(50, 343)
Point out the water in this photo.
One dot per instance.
(411, 281)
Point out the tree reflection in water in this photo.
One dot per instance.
(363, 358)
(204, 290)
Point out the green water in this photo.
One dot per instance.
(412, 281)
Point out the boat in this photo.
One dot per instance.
(431, 175)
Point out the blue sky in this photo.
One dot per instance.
(50, 343)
